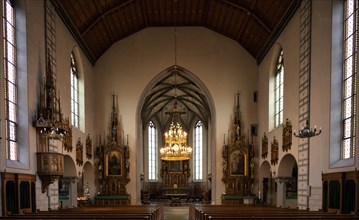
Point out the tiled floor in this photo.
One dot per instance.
(176, 212)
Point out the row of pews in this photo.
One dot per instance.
(152, 212)
(222, 212)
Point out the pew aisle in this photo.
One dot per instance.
(176, 213)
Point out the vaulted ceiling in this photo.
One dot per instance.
(98, 24)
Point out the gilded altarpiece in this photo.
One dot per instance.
(236, 157)
(113, 166)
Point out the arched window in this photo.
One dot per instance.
(152, 151)
(349, 97)
(198, 151)
(10, 80)
(74, 92)
(278, 90)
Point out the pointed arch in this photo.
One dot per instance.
(176, 83)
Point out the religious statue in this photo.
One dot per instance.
(87, 191)
(274, 151)
(264, 146)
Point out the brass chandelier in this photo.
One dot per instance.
(176, 147)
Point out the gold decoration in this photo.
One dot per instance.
(274, 151)
(264, 146)
(88, 147)
(79, 153)
(50, 123)
(287, 135)
(176, 140)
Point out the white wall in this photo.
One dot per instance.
(289, 42)
(223, 66)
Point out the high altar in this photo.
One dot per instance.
(113, 166)
(238, 164)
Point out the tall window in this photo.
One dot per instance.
(198, 149)
(278, 90)
(74, 92)
(152, 152)
(10, 80)
(349, 78)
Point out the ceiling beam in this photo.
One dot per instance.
(250, 13)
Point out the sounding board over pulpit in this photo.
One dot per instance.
(238, 163)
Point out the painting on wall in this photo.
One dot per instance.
(175, 166)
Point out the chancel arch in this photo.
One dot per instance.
(175, 90)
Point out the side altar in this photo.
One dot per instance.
(238, 164)
(113, 166)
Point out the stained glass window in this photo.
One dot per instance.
(74, 93)
(198, 151)
(10, 80)
(278, 90)
(349, 79)
(152, 152)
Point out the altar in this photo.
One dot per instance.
(112, 200)
(176, 198)
(113, 166)
(238, 164)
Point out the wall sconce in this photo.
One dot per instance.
(308, 132)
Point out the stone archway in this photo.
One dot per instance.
(264, 180)
(176, 85)
(67, 184)
(287, 182)
(88, 179)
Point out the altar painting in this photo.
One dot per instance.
(114, 164)
(237, 163)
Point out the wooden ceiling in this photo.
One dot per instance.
(98, 24)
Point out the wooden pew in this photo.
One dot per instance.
(205, 212)
(123, 212)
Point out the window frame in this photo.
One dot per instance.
(152, 151)
(198, 151)
(279, 89)
(349, 82)
(75, 92)
(10, 82)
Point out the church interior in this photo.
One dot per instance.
(208, 104)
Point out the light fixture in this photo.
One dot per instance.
(308, 132)
(176, 147)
